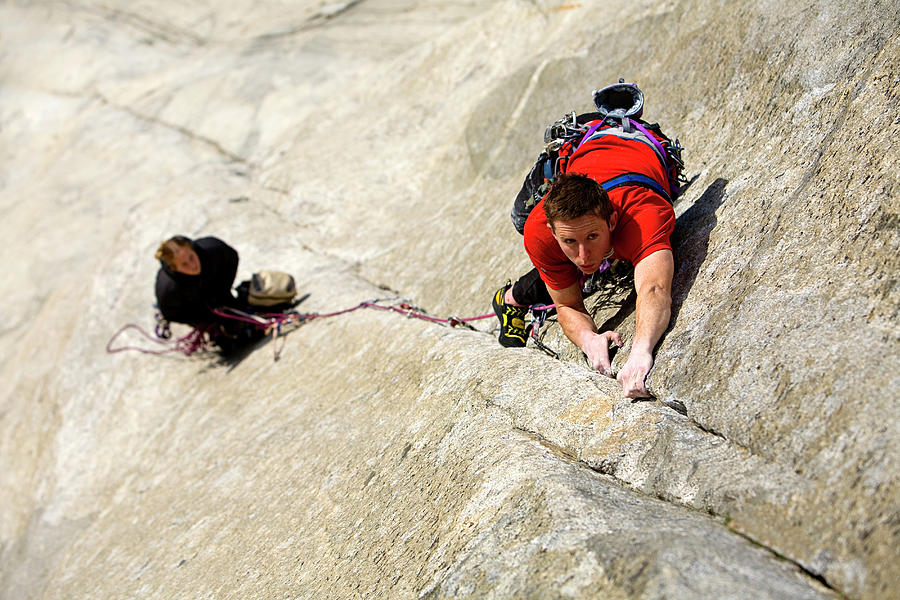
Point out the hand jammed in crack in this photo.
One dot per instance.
(652, 280)
(634, 374)
(597, 351)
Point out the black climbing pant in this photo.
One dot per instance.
(530, 289)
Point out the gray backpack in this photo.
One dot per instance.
(619, 110)
(271, 288)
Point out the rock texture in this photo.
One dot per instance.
(372, 149)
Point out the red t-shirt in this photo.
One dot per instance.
(646, 219)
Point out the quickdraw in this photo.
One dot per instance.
(539, 314)
(162, 327)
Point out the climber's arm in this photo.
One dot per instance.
(653, 282)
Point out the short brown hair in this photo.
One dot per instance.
(169, 248)
(573, 195)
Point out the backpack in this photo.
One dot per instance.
(271, 288)
(619, 110)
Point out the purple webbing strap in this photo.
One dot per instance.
(600, 269)
(590, 132)
(642, 129)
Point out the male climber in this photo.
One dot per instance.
(576, 229)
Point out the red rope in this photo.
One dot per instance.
(403, 309)
(196, 340)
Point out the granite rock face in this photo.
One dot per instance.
(373, 149)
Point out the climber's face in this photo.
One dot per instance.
(187, 261)
(585, 240)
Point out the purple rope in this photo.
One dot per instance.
(589, 133)
(403, 309)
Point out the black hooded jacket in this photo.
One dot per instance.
(189, 298)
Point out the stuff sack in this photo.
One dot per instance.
(619, 110)
(271, 288)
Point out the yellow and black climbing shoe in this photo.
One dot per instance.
(512, 320)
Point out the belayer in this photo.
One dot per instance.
(612, 180)
(194, 279)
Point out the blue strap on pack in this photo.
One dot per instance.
(636, 179)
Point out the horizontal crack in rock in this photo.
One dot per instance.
(314, 21)
(159, 31)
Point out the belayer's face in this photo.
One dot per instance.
(187, 261)
(585, 240)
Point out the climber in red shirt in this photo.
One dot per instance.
(575, 231)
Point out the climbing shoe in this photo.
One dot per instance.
(512, 320)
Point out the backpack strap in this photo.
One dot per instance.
(660, 151)
(589, 133)
(636, 179)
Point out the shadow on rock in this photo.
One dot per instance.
(620, 293)
(235, 355)
(690, 241)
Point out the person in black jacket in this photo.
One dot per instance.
(194, 278)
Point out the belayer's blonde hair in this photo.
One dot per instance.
(169, 248)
